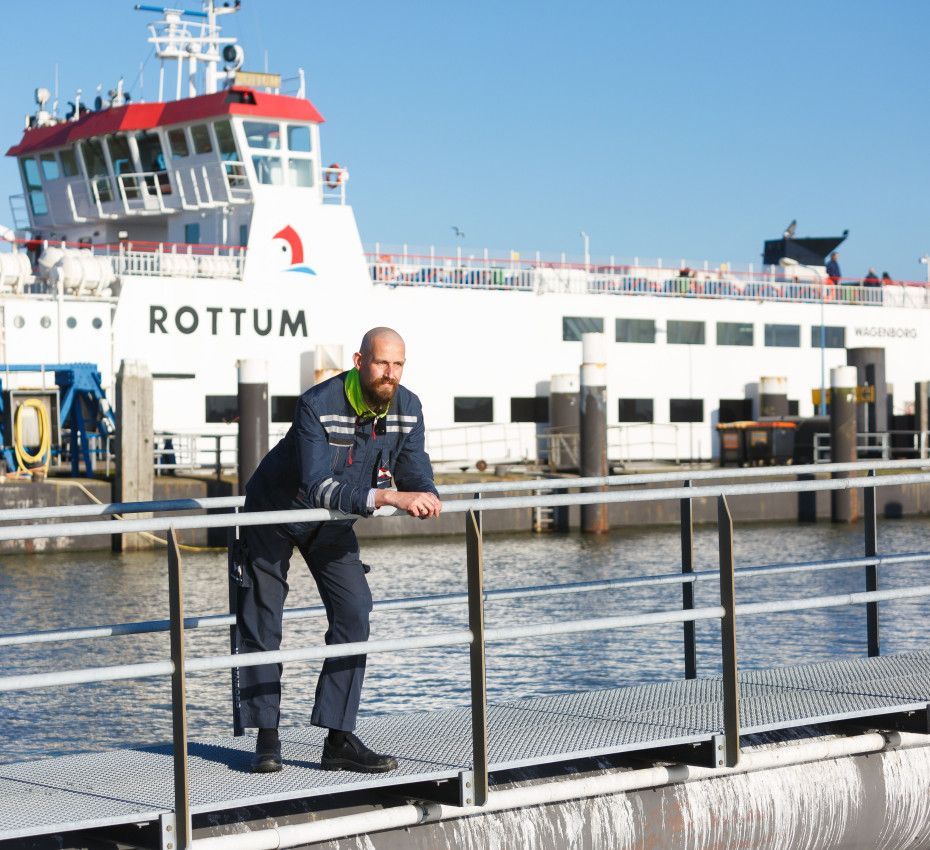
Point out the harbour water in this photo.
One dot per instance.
(58, 590)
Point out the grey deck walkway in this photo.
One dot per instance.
(49, 796)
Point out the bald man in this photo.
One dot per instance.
(353, 437)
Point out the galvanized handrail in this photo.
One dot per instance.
(231, 502)
(476, 635)
(210, 621)
(86, 529)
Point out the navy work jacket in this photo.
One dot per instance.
(330, 457)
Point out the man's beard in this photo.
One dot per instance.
(378, 395)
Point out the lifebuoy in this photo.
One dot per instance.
(333, 175)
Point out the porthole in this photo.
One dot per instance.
(97, 323)
(45, 321)
(18, 322)
(72, 322)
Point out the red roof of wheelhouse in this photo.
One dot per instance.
(146, 116)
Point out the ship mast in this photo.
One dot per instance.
(191, 43)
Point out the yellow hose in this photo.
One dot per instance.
(23, 455)
(185, 547)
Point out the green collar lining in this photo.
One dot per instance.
(357, 399)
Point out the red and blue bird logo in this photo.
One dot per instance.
(294, 243)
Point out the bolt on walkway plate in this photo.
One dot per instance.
(56, 795)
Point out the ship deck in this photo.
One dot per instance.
(93, 790)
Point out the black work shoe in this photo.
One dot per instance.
(352, 754)
(267, 758)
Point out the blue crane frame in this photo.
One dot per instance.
(76, 382)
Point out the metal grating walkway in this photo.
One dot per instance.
(132, 786)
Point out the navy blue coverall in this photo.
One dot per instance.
(329, 458)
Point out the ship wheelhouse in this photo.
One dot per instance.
(185, 171)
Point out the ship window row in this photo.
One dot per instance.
(688, 332)
(480, 409)
(114, 155)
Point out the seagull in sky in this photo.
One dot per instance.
(458, 231)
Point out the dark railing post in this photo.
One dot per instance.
(219, 456)
(232, 559)
(687, 587)
(871, 570)
(182, 810)
(728, 635)
(479, 695)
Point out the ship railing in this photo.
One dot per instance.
(143, 192)
(19, 212)
(885, 445)
(160, 259)
(335, 179)
(518, 273)
(474, 783)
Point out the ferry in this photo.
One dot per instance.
(208, 226)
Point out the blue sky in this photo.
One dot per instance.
(665, 129)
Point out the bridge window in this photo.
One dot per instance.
(783, 336)
(635, 410)
(473, 409)
(686, 410)
(151, 156)
(574, 326)
(119, 155)
(222, 408)
(177, 141)
(69, 164)
(834, 337)
(684, 333)
(734, 333)
(50, 170)
(262, 134)
(96, 166)
(33, 185)
(200, 136)
(735, 410)
(300, 172)
(225, 140)
(268, 170)
(529, 409)
(192, 233)
(298, 138)
(636, 330)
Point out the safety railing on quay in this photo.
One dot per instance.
(884, 445)
(476, 636)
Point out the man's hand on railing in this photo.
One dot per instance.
(420, 505)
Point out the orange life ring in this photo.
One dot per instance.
(333, 175)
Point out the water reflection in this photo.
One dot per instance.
(51, 591)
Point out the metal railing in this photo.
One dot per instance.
(884, 445)
(519, 274)
(475, 782)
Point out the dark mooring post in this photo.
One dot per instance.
(135, 440)
(593, 422)
(253, 417)
(922, 417)
(844, 504)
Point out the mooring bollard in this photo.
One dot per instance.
(135, 441)
(593, 425)
(253, 417)
(922, 416)
(844, 504)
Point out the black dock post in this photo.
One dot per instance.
(253, 417)
(844, 504)
(593, 412)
